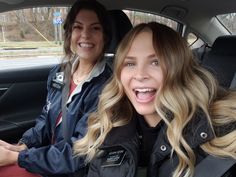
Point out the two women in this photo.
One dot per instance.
(73, 87)
(161, 109)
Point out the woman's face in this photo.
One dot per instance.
(141, 75)
(87, 39)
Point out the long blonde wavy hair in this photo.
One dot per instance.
(186, 88)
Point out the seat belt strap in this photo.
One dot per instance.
(65, 94)
(213, 166)
(233, 83)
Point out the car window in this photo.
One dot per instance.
(137, 17)
(194, 41)
(31, 37)
(229, 21)
(34, 36)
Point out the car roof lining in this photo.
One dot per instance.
(184, 11)
(208, 8)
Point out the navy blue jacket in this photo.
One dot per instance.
(57, 159)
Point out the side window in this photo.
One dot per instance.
(137, 17)
(194, 41)
(31, 37)
(228, 20)
(34, 37)
(144, 17)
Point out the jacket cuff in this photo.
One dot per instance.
(22, 158)
(25, 142)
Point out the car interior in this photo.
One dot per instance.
(120, 25)
(20, 108)
(23, 90)
(221, 58)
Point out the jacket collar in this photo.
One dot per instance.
(98, 68)
(198, 131)
(122, 134)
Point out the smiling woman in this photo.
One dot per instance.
(161, 110)
(73, 91)
(142, 76)
(32, 43)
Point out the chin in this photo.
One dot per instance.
(144, 112)
(84, 56)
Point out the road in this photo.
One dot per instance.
(25, 62)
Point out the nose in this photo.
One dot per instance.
(85, 32)
(141, 74)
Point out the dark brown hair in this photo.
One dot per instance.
(94, 6)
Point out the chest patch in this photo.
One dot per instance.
(57, 81)
(114, 156)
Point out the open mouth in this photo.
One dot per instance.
(145, 94)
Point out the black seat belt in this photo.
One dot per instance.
(213, 166)
(65, 94)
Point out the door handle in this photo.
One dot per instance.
(3, 90)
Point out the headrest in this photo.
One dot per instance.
(120, 25)
(225, 45)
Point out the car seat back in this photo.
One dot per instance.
(120, 25)
(221, 59)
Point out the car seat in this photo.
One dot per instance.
(221, 59)
(120, 25)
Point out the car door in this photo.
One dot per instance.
(22, 96)
(30, 45)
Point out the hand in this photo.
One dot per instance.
(7, 157)
(12, 147)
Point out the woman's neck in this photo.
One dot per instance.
(84, 67)
(152, 120)
(82, 71)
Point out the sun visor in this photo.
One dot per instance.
(174, 11)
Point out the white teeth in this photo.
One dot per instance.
(144, 90)
(85, 45)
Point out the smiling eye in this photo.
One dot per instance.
(129, 64)
(76, 27)
(97, 28)
(155, 62)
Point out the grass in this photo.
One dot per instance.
(23, 49)
(28, 44)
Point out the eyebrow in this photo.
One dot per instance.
(95, 23)
(132, 57)
(152, 55)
